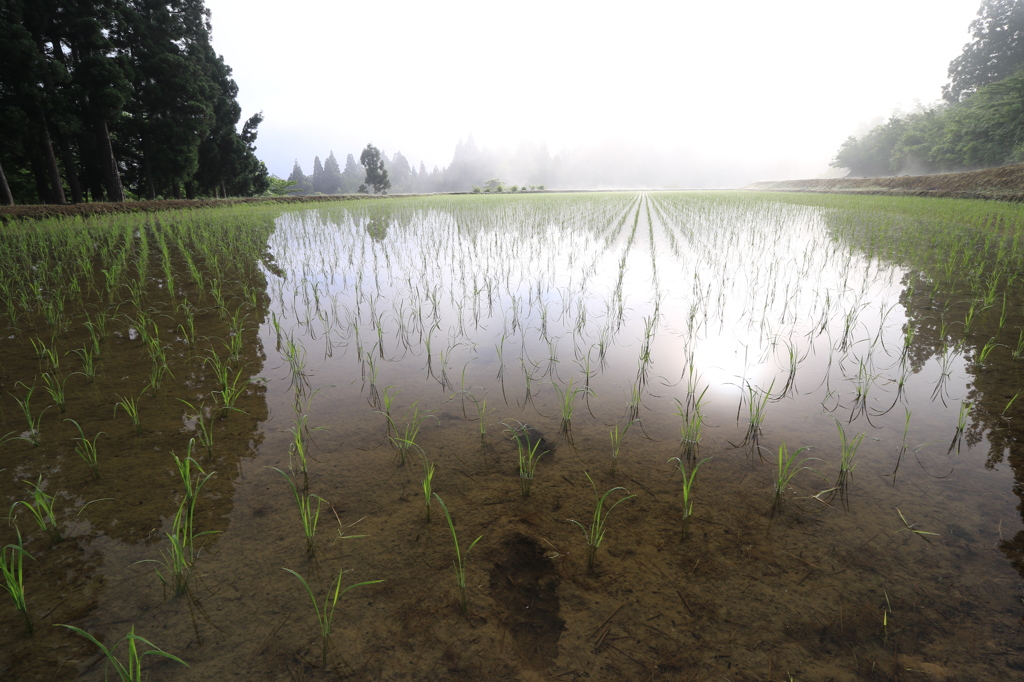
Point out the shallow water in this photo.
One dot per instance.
(631, 310)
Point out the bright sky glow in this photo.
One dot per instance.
(769, 89)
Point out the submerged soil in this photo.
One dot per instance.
(1004, 184)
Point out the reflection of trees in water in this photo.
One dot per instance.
(937, 311)
(944, 298)
(377, 228)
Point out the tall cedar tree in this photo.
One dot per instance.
(98, 95)
(376, 174)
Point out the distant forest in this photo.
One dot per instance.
(979, 123)
(115, 99)
(528, 165)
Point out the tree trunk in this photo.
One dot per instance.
(115, 191)
(57, 192)
(70, 168)
(39, 175)
(150, 189)
(62, 138)
(5, 188)
(190, 189)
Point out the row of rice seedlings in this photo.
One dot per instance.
(309, 505)
(180, 557)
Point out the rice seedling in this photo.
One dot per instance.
(88, 357)
(86, 449)
(757, 408)
(295, 355)
(309, 505)
(481, 416)
(595, 531)
(961, 423)
(54, 385)
(567, 401)
(616, 437)
(11, 558)
(528, 446)
(179, 559)
(187, 328)
(985, 351)
(689, 475)
(428, 479)
(1009, 404)
(387, 399)
(203, 425)
(692, 424)
(32, 435)
(787, 467)
(904, 444)
(130, 405)
(848, 450)
(325, 615)
(41, 351)
(460, 555)
(41, 510)
(231, 389)
(405, 441)
(97, 331)
(130, 670)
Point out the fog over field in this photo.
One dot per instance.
(693, 95)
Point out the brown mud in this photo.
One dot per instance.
(1001, 184)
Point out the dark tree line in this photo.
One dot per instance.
(979, 124)
(102, 99)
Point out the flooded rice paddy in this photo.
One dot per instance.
(206, 398)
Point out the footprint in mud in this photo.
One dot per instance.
(524, 585)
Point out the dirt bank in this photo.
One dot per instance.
(1002, 184)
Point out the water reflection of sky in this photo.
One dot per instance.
(733, 293)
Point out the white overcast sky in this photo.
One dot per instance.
(769, 87)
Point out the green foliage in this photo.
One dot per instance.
(376, 174)
(995, 52)
(280, 187)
